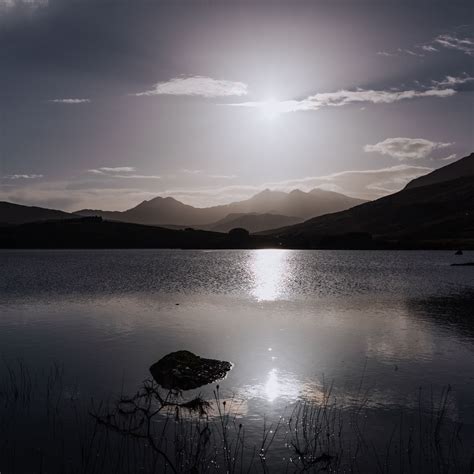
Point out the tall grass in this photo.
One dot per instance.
(45, 427)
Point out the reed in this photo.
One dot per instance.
(45, 427)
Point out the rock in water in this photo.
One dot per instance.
(183, 370)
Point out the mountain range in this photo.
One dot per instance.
(292, 207)
(435, 211)
(266, 210)
(438, 207)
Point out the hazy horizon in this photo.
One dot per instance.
(107, 104)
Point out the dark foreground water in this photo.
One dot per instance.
(293, 322)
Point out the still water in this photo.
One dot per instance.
(291, 322)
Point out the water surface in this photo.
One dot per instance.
(292, 322)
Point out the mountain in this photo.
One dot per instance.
(169, 211)
(17, 214)
(157, 211)
(436, 212)
(435, 215)
(252, 222)
(461, 168)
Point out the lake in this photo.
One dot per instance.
(386, 323)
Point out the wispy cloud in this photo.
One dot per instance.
(197, 86)
(135, 176)
(452, 40)
(70, 101)
(117, 169)
(71, 196)
(113, 195)
(450, 157)
(346, 97)
(404, 148)
(464, 44)
(453, 81)
(429, 48)
(222, 176)
(364, 184)
(30, 4)
(401, 51)
(23, 176)
(413, 53)
(200, 173)
(190, 171)
(122, 172)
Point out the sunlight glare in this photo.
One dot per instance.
(270, 109)
(272, 387)
(269, 269)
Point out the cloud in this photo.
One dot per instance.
(222, 176)
(364, 184)
(118, 169)
(113, 195)
(450, 157)
(345, 97)
(406, 148)
(429, 48)
(196, 172)
(70, 101)
(401, 51)
(452, 81)
(464, 44)
(71, 196)
(30, 4)
(23, 176)
(197, 86)
(411, 52)
(121, 172)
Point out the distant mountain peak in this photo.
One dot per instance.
(265, 192)
(272, 206)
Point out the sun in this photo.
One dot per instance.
(270, 109)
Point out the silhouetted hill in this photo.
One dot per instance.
(93, 232)
(252, 222)
(169, 211)
(164, 211)
(461, 168)
(436, 215)
(443, 211)
(17, 214)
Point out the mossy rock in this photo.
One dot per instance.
(183, 370)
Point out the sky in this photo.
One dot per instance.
(106, 103)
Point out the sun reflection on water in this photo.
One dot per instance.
(269, 268)
(281, 385)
